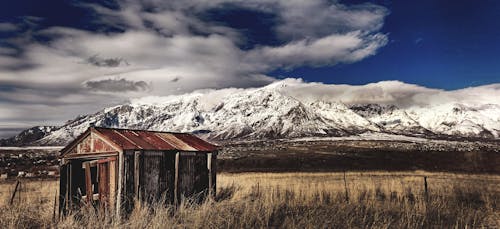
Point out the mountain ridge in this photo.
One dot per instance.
(282, 111)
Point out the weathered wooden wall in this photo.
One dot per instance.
(149, 176)
(157, 175)
(128, 188)
(193, 175)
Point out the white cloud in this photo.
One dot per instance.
(333, 49)
(172, 51)
(7, 27)
(320, 18)
(397, 93)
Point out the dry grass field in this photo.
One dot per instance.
(291, 200)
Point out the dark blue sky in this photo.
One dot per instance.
(441, 44)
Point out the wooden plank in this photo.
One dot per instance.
(176, 182)
(202, 177)
(213, 173)
(210, 182)
(70, 185)
(128, 180)
(88, 182)
(112, 183)
(167, 177)
(91, 155)
(104, 184)
(137, 173)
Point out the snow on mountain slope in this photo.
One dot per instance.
(390, 119)
(294, 109)
(27, 136)
(343, 117)
(459, 119)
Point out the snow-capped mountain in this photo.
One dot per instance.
(390, 119)
(285, 110)
(28, 136)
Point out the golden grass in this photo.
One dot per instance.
(293, 200)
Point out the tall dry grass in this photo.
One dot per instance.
(302, 200)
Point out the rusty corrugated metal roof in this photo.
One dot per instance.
(176, 142)
(195, 142)
(154, 140)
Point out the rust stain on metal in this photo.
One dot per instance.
(177, 143)
(151, 140)
(116, 138)
(195, 142)
(156, 140)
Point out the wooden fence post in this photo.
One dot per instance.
(14, 192)
(54, 209)
(345, 186)
(425, 188)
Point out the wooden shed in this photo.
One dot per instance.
(113, 168)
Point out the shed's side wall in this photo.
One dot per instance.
(157, 175)
(150, 175)
(193, 175)
(156, 171)
(167, 177)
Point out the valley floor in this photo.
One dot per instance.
(291, 200)
(361, 155)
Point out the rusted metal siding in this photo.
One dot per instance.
(85, 145)
(101, 146)
(91, 144)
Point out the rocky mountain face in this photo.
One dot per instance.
(28, 136)
(268, 113)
